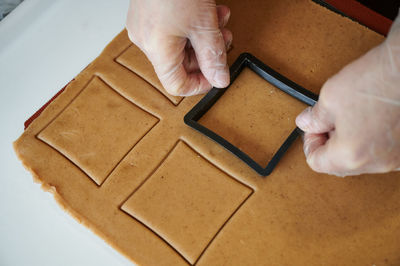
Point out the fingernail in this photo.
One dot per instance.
(306, 149)
(227, 16)
(309, 144)
(221, 78)
(228, 45)
(302, 119)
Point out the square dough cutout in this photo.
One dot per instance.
(242, 112)
(187, 204)
(89, 140)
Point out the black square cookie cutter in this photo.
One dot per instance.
(271, 76)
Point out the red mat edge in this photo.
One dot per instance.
(38, 112)
(363, 15)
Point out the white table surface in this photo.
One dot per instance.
(43, 45)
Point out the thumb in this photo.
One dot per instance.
(315, 120)
(209, 46)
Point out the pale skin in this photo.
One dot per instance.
(353, 129)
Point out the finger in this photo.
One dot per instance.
(168, 64)
(223, 14)
(179, 82)
(315, 120)
(190, 61)
(313, 142)
(226, 34)
(329, 156)
(325, 156)
(228, 37)
(188, 45)
(211, 55)
(195, 84)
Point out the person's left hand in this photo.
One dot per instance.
(185, 40)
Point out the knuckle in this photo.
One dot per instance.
(173, 91)
(172, 84)
(354, 158)
(133, 37)
(388, 165)
(313, 164)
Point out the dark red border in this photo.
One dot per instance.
(38, 112)
(363, 14)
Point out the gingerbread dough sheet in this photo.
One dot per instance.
(114, 151)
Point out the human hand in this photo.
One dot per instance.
(355, 126)
(184, 40)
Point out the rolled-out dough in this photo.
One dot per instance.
(116, 154)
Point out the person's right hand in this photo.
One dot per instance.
(355, 126)
(185, 40)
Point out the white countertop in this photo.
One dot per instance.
(43, 45)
